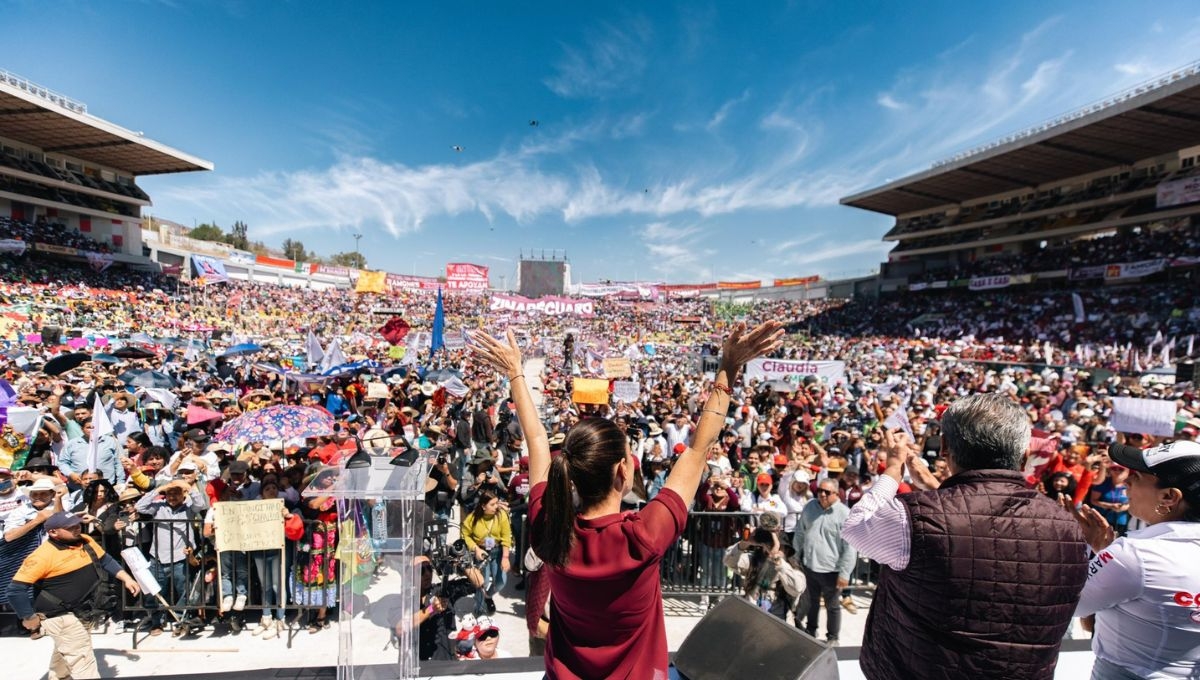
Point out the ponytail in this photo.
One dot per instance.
(559, 505)
(582, 474)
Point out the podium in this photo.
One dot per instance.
(380, 509)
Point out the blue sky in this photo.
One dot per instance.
(684, 142)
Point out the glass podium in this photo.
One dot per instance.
(380, 508)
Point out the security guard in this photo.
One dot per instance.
(57, 580)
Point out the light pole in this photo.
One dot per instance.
(357, 257)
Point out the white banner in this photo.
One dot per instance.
(1178, 192)
(1132, 270)
(990, 282)
(626, 391)
(1143, 416)
(554, 306)
(12, 245)
(832, 372)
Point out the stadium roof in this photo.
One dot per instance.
(1155, 118)
(31, 115)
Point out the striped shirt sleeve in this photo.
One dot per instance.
(878, 525)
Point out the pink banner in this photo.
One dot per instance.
(329, 270)
(553, 306)
(464, 276)
(406, 282)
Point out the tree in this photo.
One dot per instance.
(352, 260)
(207, 232)
(237, 236)
(294, 250)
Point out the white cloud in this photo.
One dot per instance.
(888, 102)
(609, 60)
(840, 250)
(723, 112)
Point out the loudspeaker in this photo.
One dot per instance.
(738, 640)
(51, 335)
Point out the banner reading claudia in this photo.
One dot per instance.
(463, 276)
(832, 372)
(553, 306)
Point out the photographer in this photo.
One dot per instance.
(488, 534)
(440, 487)
(770, 579)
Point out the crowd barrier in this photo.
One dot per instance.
(191, 579)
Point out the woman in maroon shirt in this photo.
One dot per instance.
(606, 615)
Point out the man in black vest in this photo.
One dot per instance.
(980, 575)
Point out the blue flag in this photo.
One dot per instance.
(439, 326)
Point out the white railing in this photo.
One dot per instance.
(1085, 110)
(26, 85)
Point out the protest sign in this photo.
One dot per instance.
(590, 391)
(626, 391)
(617, 368)
(249, 525)
(1143, 416)
(377, 390)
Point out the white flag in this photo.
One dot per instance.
(101, 426)
(1080, 317)
(312, 347)
(333, 357)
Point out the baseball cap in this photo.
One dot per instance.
(679, 448)
(62, 520)
(1176, 464)
(781, 460)
(763, 478)
(239, 467)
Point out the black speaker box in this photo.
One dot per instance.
(1189, 372)
(51, 335)
(738, 640)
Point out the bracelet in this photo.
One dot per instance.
(709, 410)
(723, 388)
(519, 375)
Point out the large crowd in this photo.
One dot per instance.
(785, 445)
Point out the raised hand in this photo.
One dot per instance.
(1096, 530)
(741, 345)
(505, 358)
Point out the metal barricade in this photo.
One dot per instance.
(695, 564)
(194, 577)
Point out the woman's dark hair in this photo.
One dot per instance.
(102, 488)
(1068, 491)
(592, 449)
(486, 495)
(157, 452)
(1193, 502)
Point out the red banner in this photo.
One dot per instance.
(463, 276)
(738, 285)
(797, 281)
(275, 262)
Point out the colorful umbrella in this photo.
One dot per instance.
(277, 422)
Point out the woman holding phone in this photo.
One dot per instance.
(606, 616)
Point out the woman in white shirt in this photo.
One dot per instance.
(1144, 588)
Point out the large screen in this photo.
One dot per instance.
(542, 277)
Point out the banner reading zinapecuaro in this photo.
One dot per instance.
(553, 306)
